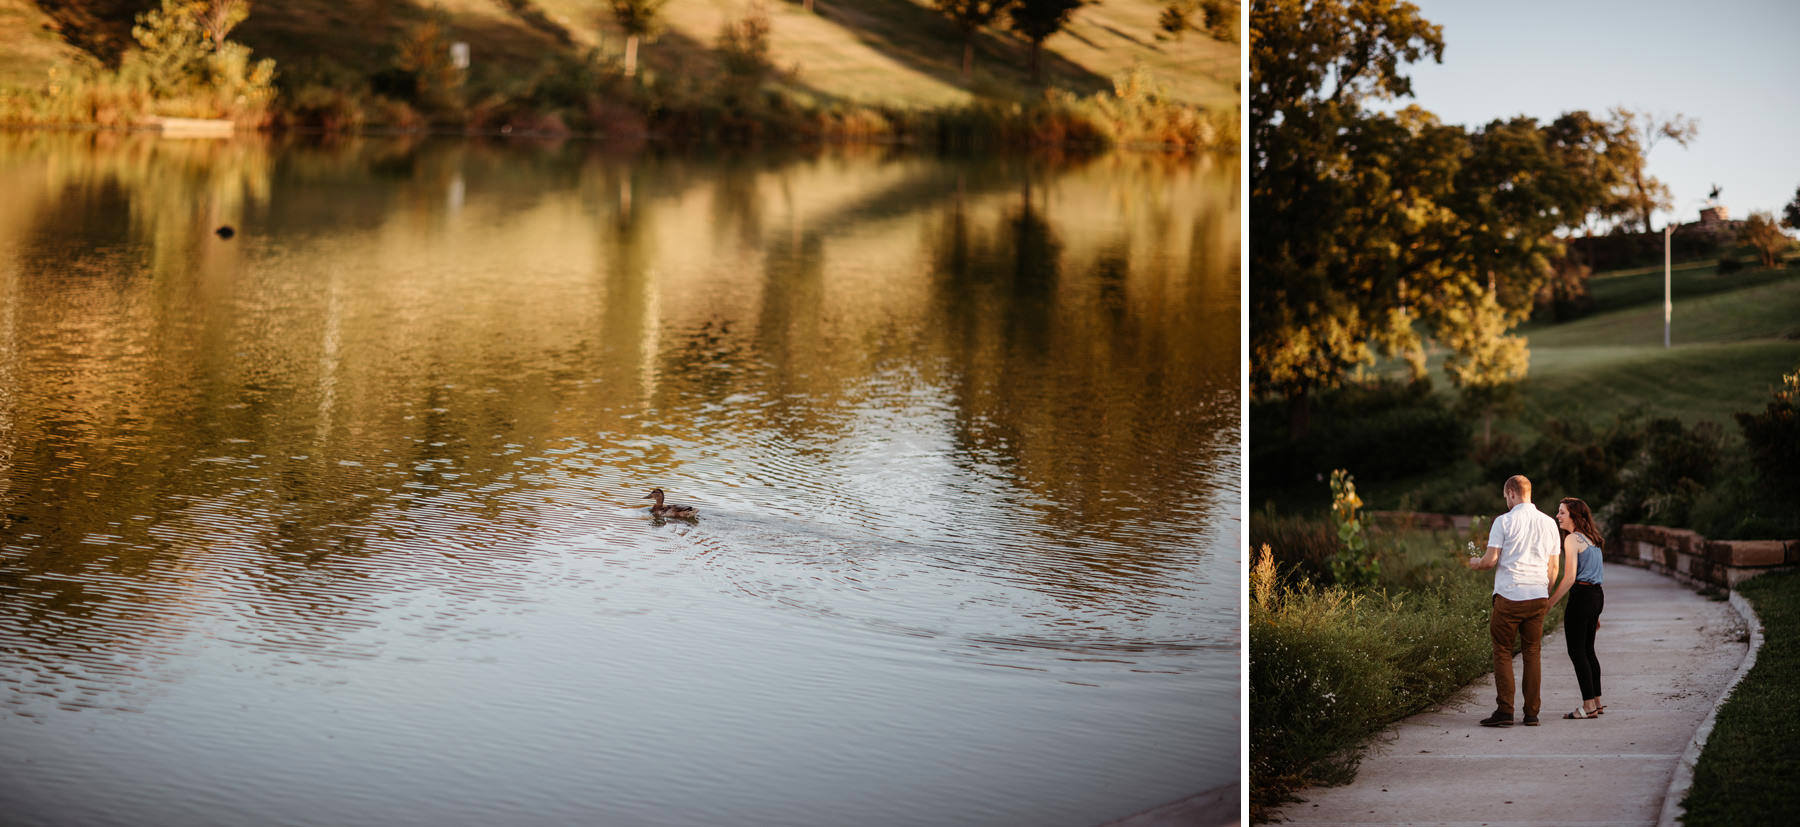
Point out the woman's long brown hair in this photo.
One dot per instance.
(1582, 519)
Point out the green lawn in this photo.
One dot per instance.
(1694, 382)
(1746, 773)
(1732, 338)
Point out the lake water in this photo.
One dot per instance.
(340, 520)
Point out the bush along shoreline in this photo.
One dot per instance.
(184, 65)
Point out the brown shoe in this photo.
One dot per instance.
(1498, 719)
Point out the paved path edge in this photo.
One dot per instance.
(1672, 811)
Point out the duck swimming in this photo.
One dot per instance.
(661, 510)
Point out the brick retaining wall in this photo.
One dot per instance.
(1691, 558)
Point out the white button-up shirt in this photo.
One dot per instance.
(1527, 539)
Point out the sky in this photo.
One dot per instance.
(1732, 64)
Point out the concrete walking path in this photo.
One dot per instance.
(1666, 654)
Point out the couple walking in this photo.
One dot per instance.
(1526, 551)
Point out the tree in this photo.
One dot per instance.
(1217, 18)
(743, 48)
(1649, 194)
(1790, 214)
(1374, 229)
(219, 17)
(969, 16)
(1037, 20)
(183, 52)
(1761, 232)
(1485, 363)
(640, 19)
(1773, 439)
(1312, 63)
(423, 57)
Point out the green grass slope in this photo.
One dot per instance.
(891, 52)
(1732, 337)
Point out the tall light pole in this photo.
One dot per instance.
(1668, 306)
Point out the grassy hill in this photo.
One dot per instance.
(887, 52)
(1733, 336)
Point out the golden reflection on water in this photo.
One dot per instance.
(986, 403)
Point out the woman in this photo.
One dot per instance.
(1581, 557)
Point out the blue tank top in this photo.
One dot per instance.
(1587, 563)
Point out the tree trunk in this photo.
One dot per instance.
(968, 56)
(809, 6)
(631, 55)
(1299, 417)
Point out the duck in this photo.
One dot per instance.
(660, 510)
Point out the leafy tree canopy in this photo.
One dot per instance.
(1763, 233)
(1374, 229)
(642, 18)
(1217, 18)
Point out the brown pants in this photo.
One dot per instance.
(1508, 619)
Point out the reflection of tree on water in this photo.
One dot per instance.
(1094, 411)
(251, 402)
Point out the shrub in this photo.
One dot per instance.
(190, 69)
(1569, 458)
(1331, 667)
(1302, 546)
(1456, 496)
(1773, 440)
(423, 56)
(86, 95)
(1138, 110)
(1565, 294)
(1379, 431)
(743, 47)
(328, 108)
(1730, 263)
(1500, 457)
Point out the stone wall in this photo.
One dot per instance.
(1691, 558)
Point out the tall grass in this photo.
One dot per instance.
(1330, 667)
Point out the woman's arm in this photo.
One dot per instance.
(1571, 548)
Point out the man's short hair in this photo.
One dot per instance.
(1518, 485)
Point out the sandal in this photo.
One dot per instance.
(1580, 713)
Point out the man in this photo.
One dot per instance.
(1522, 548)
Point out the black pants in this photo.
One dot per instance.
(1579, 623)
